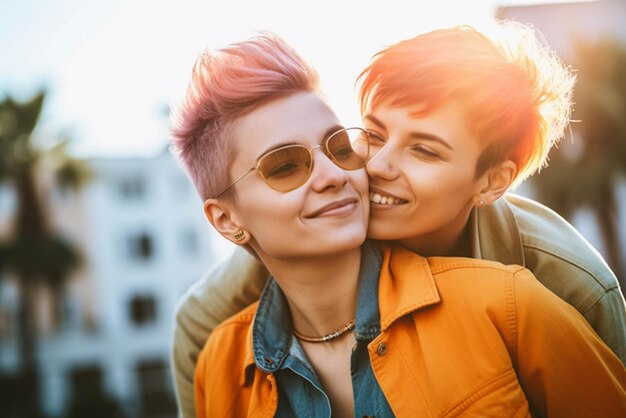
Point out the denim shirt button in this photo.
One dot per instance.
(268, 361)
(369, 416)
(382, 349)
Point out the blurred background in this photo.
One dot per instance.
(101, 231)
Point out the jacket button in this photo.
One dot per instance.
(382, 349)
(268, 361)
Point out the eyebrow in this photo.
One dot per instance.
(328, 132)
(415, 134)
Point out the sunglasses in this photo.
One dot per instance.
(289, 167)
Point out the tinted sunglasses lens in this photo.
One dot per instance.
(286, 168)
(349, 148)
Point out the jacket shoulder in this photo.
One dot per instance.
(227, 348)
(564, 262)
(549, 241)
(222, 372)
(483, 282)
(234, 328)
(461, 266)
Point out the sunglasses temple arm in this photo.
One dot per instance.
(236, 181)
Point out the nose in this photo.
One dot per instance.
(326, 174)
(382, 165)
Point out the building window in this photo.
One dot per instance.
(88, 396)
(141, 246)
(132, 187)
(142, 310)
(156, 396)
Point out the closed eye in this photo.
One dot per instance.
(343, 152)
(375, 139)
(283, 170)
(426, 151)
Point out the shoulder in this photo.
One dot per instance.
(234, 330)
(481, 282)
(546, 234)
(480, 286)
(473, 272)
(229, 346)
(223, 365)
(409, 282)
(556, 253)
(482, 294)
(488, 283)
(564, 262)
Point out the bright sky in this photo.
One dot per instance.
(113, 67)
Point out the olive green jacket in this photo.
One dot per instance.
(513, 230)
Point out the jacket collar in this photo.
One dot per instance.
(248, 365)
(406, 280)
(406, 285)
(495, 234)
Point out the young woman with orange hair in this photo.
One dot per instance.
(436, 336)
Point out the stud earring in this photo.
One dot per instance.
(239, 235)
(481, 203)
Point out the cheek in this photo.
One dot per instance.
(360, 181)
(265, 211)
(273, 227)
(441, 181)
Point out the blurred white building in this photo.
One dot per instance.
(144, 237)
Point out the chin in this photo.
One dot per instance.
(347, 240)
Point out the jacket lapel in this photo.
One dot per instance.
(406, 284)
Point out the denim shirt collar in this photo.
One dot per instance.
(271, 330)
(367, 323)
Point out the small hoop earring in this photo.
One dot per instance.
(239, 235)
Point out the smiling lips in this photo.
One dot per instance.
(345, 206)
(339, 208)
(385, 200)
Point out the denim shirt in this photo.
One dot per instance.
(277, 351)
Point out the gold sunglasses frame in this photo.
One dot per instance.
(323, 146)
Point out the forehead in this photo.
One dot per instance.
(300, 117)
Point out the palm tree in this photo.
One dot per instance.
(587, 177)
(32, 252)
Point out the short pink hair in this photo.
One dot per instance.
(515, 92)
(225, 85)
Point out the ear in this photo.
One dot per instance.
(224, 220)
(496, 181)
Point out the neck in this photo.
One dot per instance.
(451, 241)
(321, 291)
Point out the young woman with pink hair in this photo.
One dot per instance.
(346, 329)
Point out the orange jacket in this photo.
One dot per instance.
(460, 337)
